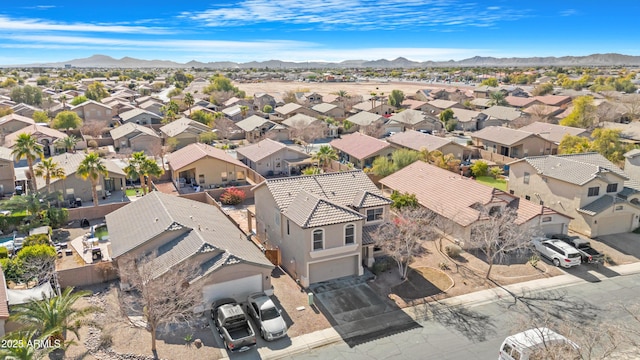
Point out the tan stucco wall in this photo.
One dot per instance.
(12, 126)
(270, 163)
(632, 168)
(185, 138)
(7, 176)
(531, 146)
(92, 111)
(81, 188)
(145, 143)
(211, 169)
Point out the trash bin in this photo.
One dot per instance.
(310, 295)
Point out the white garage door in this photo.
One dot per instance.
(236, 289)
(333, 269)
(614, 224)
(551, 229)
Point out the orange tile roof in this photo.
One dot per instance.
(359, 145)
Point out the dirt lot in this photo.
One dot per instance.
(353, 88)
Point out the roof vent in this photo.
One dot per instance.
(199, 227)
(191, 217)
(156, 220)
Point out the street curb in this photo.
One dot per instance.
(330, 335)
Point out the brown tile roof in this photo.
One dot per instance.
(69, 162)
(287, 108)
(502, 112)
(553, 132)
(442, 104)
(518, 101)
(359, 145)
(416, 140)
(413, 104)
(461, 197)
(181, 125)
(464, 115)
(194, 152)
(310, 210)
(35, 130)
(16, 117)
(4, 300)
(409, 116)
(553, 99)
(364, 118)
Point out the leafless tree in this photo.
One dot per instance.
(497, 234)
(348, 102)
(220, 97)
(539, 113)
(307, 134)
(92, 128)
(402, 236)
(375, 130)
(165, 297)
(632, 104)
(225, 127)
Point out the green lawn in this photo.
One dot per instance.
(500, 184)
(132, 192)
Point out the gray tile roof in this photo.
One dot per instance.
(128, 115)
(502, 112)
(600, 204)
(260, 150)
(129, 128)
(310, 210)
(632, 153)
(365, 199)
(502, 135)
(409, 116)
(342, 188)
(367, 231)
(553, 132)
(364, 118)
(287, 108)
(198, 227)
(573, 168)
(416, 140)
(181, 125)
(324, 107)
(464, 115)
(442, 104)
(299, 119)
(252, 122)
(5, 154)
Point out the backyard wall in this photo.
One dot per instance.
(94, 212)
(88, 275)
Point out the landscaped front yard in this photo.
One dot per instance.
(500, 184)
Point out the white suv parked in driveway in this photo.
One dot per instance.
(560, 253)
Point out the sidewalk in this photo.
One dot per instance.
(329, 336)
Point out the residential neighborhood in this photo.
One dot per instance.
(172, 198)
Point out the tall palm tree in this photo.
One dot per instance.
(324, 156)
(68, 142)
(48, 169)
(151, 169)
(27, 147)
(53, 316)
(91, 167)
(133, 170)
(189, 101)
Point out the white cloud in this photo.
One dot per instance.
(240, 51)
(569, 12)
(31, 25)
(356, 14)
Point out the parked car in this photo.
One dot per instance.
(267, 316)
(560, 253)
(233, 325)
(523, 345)
(588, 254)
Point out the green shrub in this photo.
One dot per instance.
(38, 239)
(92, 144)
(452, 250)
(534, 259)
(4, 252)
(58, 217)
(443, 266)
(382, 265)
(232, 196)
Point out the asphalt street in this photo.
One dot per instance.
(476, 332)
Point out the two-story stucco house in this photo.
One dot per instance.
(321, 223)
(269, 157)
(513, 143)
(588, 187)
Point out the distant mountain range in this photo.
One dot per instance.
(103, 61)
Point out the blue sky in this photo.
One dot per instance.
(333, 30)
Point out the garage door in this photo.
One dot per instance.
(614, 224)
(236, 289)
(333, 269)
(551, 229)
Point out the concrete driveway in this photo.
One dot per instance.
(356, 312)
(625, 243)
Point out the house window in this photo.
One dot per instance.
(619, 207)
(594, 191)
(240, 175)
(511, 192)
(546, 219)
(349, 234)
(541, 202)
(223, 175)
(374, 214)
(525, 179)
(288, 228)
(200, 179)
(527, 197)
(276, 218)
(612, 188)
(318, 239)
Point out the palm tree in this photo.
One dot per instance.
(244, 110)
(189, 101)
(341, 93)
(497, 98)
(68, 143)
(53, 316)
(33, 203)
(49, 170)
(324, 156)
(63, 100)
(91, 167)
(150, 169)
(133, 170)
(27, 147)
